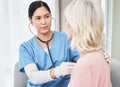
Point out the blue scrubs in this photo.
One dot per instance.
(32, 52)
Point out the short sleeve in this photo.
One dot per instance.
(25, 56)
(74, 54)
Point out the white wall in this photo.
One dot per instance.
(115, 29)
(5, 43)
(63, 4)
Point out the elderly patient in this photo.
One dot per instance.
(84, 23)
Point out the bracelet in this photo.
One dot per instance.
(52, 74)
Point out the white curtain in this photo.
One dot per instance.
(13, 31)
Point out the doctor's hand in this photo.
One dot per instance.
(64, 69)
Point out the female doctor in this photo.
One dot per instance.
(46, 58)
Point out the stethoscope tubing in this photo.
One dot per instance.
(47, 44)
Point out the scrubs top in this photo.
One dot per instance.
(31, 52)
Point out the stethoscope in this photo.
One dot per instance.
(47, 44)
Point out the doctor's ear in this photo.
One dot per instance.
(30, 20)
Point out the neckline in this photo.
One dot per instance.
(40, 47)
(47, 40)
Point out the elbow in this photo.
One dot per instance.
(33, 80)
(39, 77)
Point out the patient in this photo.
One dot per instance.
(84, 23)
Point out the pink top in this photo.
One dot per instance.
(91, 70)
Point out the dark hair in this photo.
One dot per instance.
(36, 4)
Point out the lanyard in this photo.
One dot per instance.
(47, 44)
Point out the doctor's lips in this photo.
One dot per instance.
(45, 27)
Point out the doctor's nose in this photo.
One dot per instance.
(43, 21)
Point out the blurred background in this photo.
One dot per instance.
(14, 30)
